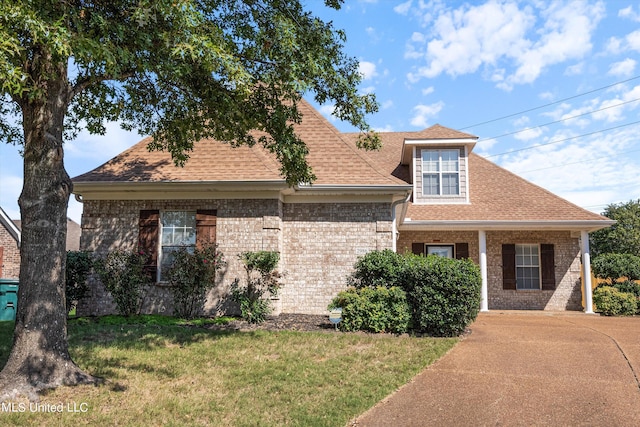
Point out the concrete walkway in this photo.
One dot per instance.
(526, 369)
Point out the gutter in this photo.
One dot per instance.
(473, 225)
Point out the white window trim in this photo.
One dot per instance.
(440, 172)
(159, 243)
(537, 245)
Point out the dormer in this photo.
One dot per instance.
(437, 160)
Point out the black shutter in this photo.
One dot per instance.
(148, 232)
(462, 250)
(417, 248)
(205, 227)
(508, 266)
(547, 263)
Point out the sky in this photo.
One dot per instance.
(551, 89)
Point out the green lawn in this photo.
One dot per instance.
(162, 373)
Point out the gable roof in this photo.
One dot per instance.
(333, 159)
(10, 226)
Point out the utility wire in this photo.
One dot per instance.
(558, 121)
(573, 163)
(562, 140)
(551, 103)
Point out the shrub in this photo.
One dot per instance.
(373, 309)
(378, 268)
(78, 268)
(123, 274)
(192, 275)
(611, 302)
(444, 294)
(616, 266)
(261, 278)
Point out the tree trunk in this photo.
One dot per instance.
(40, 357)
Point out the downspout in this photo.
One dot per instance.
(395, 235)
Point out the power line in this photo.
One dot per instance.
(558, 121)
(563, 140)
(551, 103)
(573, 163)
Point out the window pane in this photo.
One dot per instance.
(450, 160)
(430, 161)
(527, 267)
(178, 231)
(450, 183)
(430, 184)
(443, 251)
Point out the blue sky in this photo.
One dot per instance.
(551, 88)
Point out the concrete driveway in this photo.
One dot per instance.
(527, 369)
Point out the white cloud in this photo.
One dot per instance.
(574, 70)
(428, 91)
(623, 68)
(327, 112)
(633, 40)
(528, 134)
(424, 112)
(629, 13)
(500, 35)
(367, 69)
(90, 146)
(403, 8)
(386, 104)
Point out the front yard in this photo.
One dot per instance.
(162, 373)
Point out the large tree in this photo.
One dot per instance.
(178, 70)
(623, 237)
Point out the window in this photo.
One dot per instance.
(440, 172)
(527, 267)
(160, 235)
(178, 231)
(440, 250)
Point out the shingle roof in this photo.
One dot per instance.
(495, 193)
(333, 159)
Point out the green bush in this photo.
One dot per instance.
(378, 268)
(123, 274)
(444, 294)
(192, 275)
(78, 268)
(615, 266)
(610, 301)
(628, 287)
(373, 309)
(261, 278)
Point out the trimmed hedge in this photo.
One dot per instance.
(610, 301)
(377, 309)
(616, 266)
(443, 294)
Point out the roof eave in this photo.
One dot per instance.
(469, 225)
(10, 226)
(353, 189)
(408, 144)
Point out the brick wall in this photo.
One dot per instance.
(566, 296)
(319, 243)
(10, 255)
(322, 243)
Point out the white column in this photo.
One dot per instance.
(586, 272)
(484, 291)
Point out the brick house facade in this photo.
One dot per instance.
(9, 247)
(423, 192)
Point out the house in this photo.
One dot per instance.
(9, 247)
(424, 191)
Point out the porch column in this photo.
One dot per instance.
(484, 290)
(586, 272)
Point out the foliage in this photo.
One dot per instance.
(615, 266)
(192, 275)
(623, 236)
(378, 268)
(261, 278)
(610, 301)
(123, 274)
(629, 287)
(373, 309)
(444, 294)
(79, 265)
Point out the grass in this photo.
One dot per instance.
(163, 372)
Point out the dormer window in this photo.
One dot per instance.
(440, 172)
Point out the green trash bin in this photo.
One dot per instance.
(8, 299)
